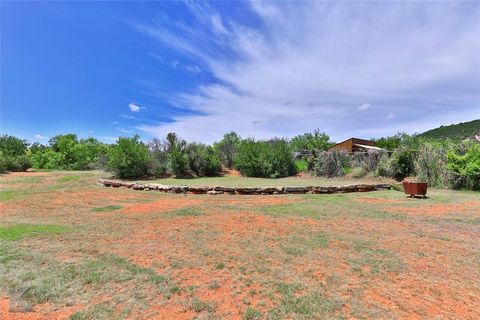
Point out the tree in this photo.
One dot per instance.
(227, 148)
(311, 141)
(13, 154)
(129, 158)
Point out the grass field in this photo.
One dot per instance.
(238, 181)
(89, 252)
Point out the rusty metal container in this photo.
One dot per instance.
(415, 188)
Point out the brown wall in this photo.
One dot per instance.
(347, 145)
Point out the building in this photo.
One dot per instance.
(353, 145)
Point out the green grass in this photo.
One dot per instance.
(68, 178)
(18, 231)
(185, 212)
(251, 314)
(107, 208)
(13, 194)
(301, 165)
(231, 181)
(198, 305)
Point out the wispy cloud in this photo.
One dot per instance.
(314, 64)
(40, 137)
(134, 107)
(364, 107)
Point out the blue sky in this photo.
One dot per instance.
(263, 69)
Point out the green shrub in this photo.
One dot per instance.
(267, 159)
(202, 160)
(48, 159)
(463, 163)
(383, 168)
(359, 172)
(129, 158)
(430, 165)
(402, 163)
(329, 164)
(301, 165)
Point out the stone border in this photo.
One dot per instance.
(244, 190)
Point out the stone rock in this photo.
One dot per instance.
(247, 190)
(298, 190)
(268, 190)
(224, 189)
(199, 190)
(137, 186)
(179, 189)
(116, 184)
(213, 192)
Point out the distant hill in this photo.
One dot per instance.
(458, 131)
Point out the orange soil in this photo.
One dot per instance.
(437, 209)
(40, 312)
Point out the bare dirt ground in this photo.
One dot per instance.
(89, 252)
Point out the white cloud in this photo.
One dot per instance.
(364, 107)
(217, 24)
(311, 62)
(40, 137)
(134, 107)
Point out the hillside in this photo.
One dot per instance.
(458, 131)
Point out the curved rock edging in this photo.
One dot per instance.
(245, 190)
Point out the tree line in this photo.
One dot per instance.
(440, 163)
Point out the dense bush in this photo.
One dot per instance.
(129, 158)
(368, 161)
(464, 166)
(329, 163)
(430, 165)
(174, 156)
(66, 152)
(227, 148)
(13, 154)
(203, 160)
(268, 159)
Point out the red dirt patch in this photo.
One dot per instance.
(40, 312)
(175, 202)
(27, 174)
(437, 209)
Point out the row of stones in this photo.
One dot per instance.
(244, 190)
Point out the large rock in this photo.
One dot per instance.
(199, 190)
(247, 190)
(224, 189)
(298, 190)
(214, 192)
(271, 190)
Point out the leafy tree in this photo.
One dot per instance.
(227, 148)
(13, 154)
(177, 160)
(129, 158)
(65, 145)
(311, 141)
(202, 160)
